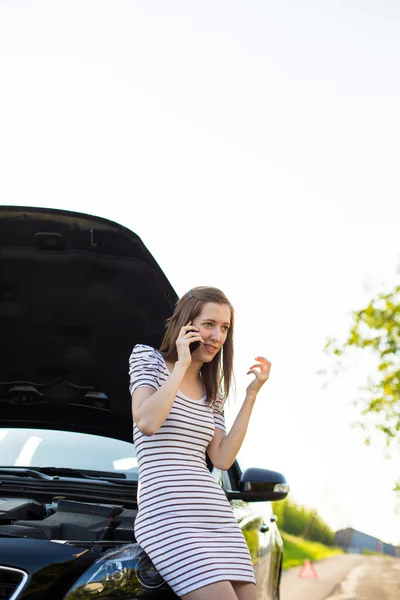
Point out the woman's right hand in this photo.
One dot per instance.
(188, 334)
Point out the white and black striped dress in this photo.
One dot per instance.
(184, 522)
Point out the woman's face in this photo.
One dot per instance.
(214, 322)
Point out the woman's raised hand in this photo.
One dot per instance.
(188, 334)
(261, 370)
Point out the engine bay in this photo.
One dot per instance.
(67, 520)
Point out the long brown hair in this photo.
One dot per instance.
(217, 375)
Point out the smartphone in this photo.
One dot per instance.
(193, 346)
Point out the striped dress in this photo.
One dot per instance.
(184, 523)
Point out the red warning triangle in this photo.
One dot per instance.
(307, 571)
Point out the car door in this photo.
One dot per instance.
(254, 520)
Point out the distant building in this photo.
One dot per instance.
(356, 541)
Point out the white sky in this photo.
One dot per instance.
(253, 146)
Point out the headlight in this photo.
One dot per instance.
(121, 573)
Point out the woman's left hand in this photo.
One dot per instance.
(261, 370)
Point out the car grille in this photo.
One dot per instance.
(11, 582)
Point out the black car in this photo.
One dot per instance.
(76, 294)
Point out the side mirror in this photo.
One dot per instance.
(259, 485)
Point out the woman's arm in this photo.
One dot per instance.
(223, 448)
(151, 407)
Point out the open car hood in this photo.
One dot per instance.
(77, 292)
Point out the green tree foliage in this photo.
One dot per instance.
(376, 328)
(300, 521)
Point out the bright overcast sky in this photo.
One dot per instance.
(253, 146)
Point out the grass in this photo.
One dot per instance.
(296, 550)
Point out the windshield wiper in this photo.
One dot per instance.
(84, 473)
(55, 472)
(24, 471)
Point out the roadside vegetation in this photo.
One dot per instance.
(303, 522)
(297, 550)
(305, 535)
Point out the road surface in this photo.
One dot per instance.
(346, 577)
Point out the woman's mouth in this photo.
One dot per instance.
(210, 349)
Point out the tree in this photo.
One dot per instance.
(377, 328)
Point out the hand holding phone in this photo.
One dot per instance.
(193, 345)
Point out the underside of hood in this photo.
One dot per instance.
(77, 292)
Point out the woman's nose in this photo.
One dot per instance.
(216, 335)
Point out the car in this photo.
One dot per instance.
(77, 293)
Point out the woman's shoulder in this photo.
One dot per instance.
(143, 348)
(145, 352)
(144, 368)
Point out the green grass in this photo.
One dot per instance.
(296, 550)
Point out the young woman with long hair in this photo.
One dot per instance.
(185, 523)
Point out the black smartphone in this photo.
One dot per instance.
(193, 346)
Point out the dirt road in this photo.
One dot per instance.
(346, 577)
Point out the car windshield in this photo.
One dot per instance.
(51, 448)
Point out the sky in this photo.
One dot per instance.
(253, 146)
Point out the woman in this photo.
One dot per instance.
(184, 522)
